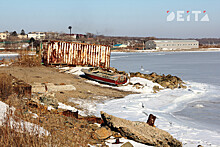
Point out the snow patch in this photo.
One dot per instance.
(88, 105)
(20, 126)
(67, 107)
(148, 85)
(74, 70)
(111, 140)
(199, 106)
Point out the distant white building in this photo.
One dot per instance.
(172, 44)
(37, 35)
(3, 35)
(22, 36)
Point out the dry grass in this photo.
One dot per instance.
(5, 86)
(11, 135)
(63, 131)
(209, 46)
(25, 59)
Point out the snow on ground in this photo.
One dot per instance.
(64, 106)
(6, 55)
(67, 107)
(2, 65)
(148, 85)
(21, 125)
(3, 109)
(89, 105)
(110, 142)
(74, 70)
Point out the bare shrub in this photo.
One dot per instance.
(5, 85)
(63, 131)
(25, 59)
(16, 134)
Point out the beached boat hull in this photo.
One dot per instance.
(105, 77)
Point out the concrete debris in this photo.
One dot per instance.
(48, 101)
(156, 89)
(102, 133)
(127, 144)
(138, 86)
(140, 131)
(69, 113)
(38, 87)
(50, 87)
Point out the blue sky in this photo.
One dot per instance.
(110, 17)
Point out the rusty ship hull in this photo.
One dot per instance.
(105, 77)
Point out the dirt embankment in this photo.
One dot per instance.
(42, 74)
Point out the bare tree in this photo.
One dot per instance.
(14, 33)
(22, 32)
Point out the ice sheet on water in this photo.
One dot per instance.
(162, 104)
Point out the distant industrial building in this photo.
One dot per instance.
(172, 44)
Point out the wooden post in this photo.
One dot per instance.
(151, 120)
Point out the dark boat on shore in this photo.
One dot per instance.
(107, 77)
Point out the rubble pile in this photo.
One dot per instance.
(167, 81)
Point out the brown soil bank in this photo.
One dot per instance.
(42, 74)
